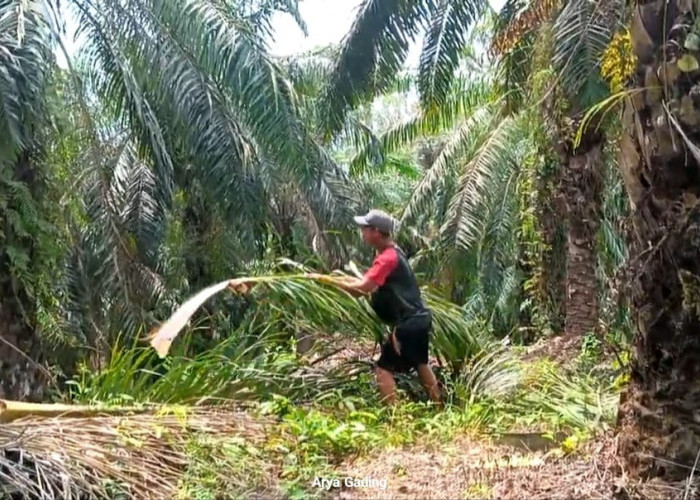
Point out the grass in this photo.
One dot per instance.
(321, 418)
(302, 439)
(311, 441)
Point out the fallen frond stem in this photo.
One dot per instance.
(13, 410)
(141, 456)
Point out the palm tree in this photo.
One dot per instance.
(186, 112)
(573, 38)
(377, 45)
(24, 65)
(659, 162)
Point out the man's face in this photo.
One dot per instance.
(370, 235)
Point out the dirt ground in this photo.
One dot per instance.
(477, 469)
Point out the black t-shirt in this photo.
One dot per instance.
(397, 297)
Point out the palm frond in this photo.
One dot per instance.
(443, 45)
(371, 55)
(140, 210)
(461, 143)
(110, 277)
(492, 373)
(25, 62)
(260, 14)
(326, 308)
(116, 82)
(461, 226)
(464, 97)
(577, 401)
(582, 31)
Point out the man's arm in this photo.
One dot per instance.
(357, 286)
(352, 285)
(374, 277)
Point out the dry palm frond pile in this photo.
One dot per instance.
(139, 456)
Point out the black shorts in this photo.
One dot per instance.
(413, 335)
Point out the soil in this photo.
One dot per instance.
(478, 469)
(471, 468)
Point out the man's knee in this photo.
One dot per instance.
(424, 368)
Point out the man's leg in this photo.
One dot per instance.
(386, 364)
(415, 335)
(387, 386)
(427, 378)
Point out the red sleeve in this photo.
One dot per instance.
(383, 265)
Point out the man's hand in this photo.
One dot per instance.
(357, 286)
(241, 288)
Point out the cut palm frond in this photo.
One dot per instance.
(162, 338)
(492, 373)
(320, 303)
(15, 410)
(578, 401)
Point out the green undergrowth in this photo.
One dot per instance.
(309, 441)
(325, 417)
(312, 440)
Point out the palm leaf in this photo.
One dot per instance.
(461, 226)
(162, 338)
(25, 61)
(491, 373)
(371, 55)
(461, 142)
(116, 82)
(464, 98)
(582, 31)
(442, 48)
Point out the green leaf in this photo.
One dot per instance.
(688, 63)
(443, 45)
(371, 55)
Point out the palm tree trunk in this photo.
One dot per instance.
(553, 257)
(660, 412)
(581, 193)
(22, 377)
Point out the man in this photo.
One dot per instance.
(396, 298)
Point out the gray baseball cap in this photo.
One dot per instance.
(378, 220)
